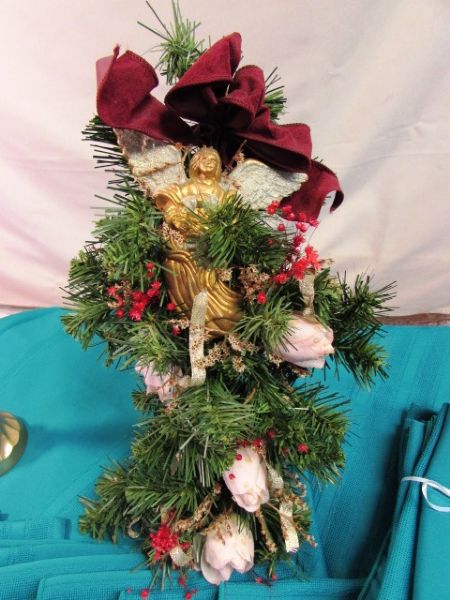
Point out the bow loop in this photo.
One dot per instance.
(245, 98)
(124, 99)
(207, 80)
(227, 111)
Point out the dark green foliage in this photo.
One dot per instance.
(107, 518)
(179, 47)
(354, 315)
(235, 234)
(196, 440)
(266, 324)
(275, 98)
(181, 450)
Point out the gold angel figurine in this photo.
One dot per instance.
(158, 168)
(185, 279)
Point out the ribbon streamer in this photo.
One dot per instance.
(306, 286)
(286, 510)
(132, 533)
(287, 525)
(180, 557)
(435, 485)
(275, 480)
(197, 338)
(197, 342)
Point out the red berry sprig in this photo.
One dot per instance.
(303, 448)
(163, 541)
(133, 303)
(299, 262)
(261, 298)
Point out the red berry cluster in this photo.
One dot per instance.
(132, 303)
(264, 580)
(163, 541)
(303, 448)
(261, 298)
(310, 258)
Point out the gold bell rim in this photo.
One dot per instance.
(13, 440)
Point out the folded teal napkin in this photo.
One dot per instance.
(431, 576)
(14, 553)
(21, 581)
(35, 529)
(114, 584)
(414, 560)
(323, 589)
(354, 516)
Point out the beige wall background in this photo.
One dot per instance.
(370, 78)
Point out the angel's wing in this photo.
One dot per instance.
(153, 163)
(259, 184)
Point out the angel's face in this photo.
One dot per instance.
(207, 163)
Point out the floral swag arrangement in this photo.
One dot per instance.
(202, 278)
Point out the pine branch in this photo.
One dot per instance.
(179, 46)
(266, 324)
(235, 234)
(274, 98)
(196, 440)
(355, 322)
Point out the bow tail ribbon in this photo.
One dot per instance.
(286, 511)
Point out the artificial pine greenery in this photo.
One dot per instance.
(180, 453)
(179, 47)
(250, 397)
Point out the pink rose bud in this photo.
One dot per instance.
(247, 479)
(228, 546)
(306, 344)
(158, 383)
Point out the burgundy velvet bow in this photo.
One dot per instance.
(227, 106)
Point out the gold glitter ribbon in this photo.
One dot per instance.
(177, 554)
(271, 546)
(306, 286)
(131, 532)
(275, 480)
(286, 510)
(197, 338)
(201, 512)
(197, 342)
(180, 557)
(287, 526)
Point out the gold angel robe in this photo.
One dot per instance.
(184, 278)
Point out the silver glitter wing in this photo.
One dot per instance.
(259, 184)
(153, 163)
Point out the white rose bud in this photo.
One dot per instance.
(247, 479)
(158, 383)
(228, 546)
(306, 344)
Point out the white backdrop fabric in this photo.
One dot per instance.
(370, 78)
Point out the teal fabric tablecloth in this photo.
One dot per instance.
(80, 417)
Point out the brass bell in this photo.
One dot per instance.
(13, 439)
